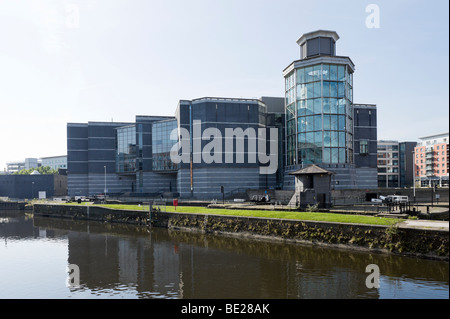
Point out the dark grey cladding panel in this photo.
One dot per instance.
(97, 155)
(77, 167)
(76, 156)
(102, 130)
(77, 131)
(365, 116)
(99, 167)
(373, 147)
(154, 182)
(221, 111)
(147, 164)
(365, 133)
(184, 114)
(77, 144)
(101, 143)
(364, 161)
(147, 151)
(313, 47)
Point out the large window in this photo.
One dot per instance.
(162, 144)
(126, 149)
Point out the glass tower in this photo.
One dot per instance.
(319, 97)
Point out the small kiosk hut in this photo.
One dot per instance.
(312, 186)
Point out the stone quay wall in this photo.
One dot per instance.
(423, 243)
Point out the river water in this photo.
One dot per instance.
(126, 261)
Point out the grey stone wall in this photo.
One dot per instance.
(404, 241)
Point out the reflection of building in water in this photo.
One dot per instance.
(166, 268)
(97, 256)
(18, 225)
(208, 272)
(176, 265)
(107, 261)
(127, 261)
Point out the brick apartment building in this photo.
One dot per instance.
(432, 161)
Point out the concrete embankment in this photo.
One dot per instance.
(411, 241)
(13, 205)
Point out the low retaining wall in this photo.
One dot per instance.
(12, 205)
(87, 212)
(405, 241)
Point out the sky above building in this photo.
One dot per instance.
(108, 60)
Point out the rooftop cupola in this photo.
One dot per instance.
(317, 43)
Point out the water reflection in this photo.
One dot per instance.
(124, 261)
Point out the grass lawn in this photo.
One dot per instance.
(307, 216)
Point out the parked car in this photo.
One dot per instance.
(398, 198)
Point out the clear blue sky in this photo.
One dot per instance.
(97, 60)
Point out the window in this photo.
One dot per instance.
(126, 149)
(162, 145)
(363, 147)
(333, 72)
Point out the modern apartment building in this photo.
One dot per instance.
(54, 162)
(16, 166)
(320, 114)
(395, 163)
(432, 160)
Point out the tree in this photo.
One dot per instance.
(43, 170)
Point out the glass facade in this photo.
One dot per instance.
(126, 150)
(162, 144)
(319, 114)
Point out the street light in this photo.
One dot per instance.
(105, 182)
(414, 175)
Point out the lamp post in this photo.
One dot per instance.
(414, 176)
(105, 182)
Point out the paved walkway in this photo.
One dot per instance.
(425, 224)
